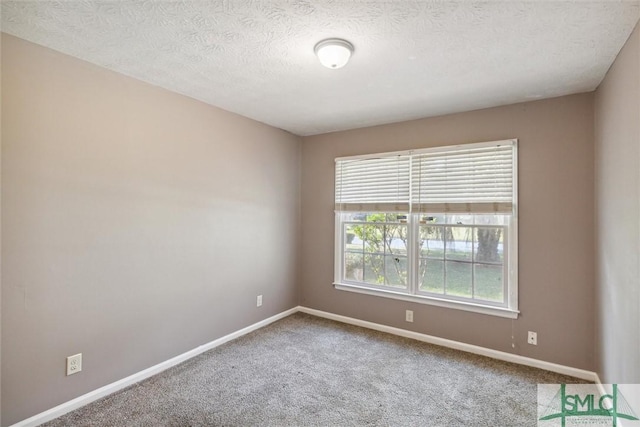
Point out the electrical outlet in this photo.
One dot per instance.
(74, 364)
(259, 301)
(409, 316)
(532, 338)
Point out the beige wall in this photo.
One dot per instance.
(617, 142)
(137, 224)
(556, 227)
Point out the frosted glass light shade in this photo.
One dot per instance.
(334, 53)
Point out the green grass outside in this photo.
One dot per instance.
(488, 279)
(456, 282)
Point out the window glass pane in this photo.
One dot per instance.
(458, 278)
(376, 252)
(432, 219)
(432, 276)
(376, 217)
(459, 243)
(396, 239)
(354, 266)
(431, 242)
(488, 282)
(373, 238)
(490, 219)
(459, 219)
(353, 237)
(397, 217)
(374, 269)
(353, 216)
(489, 245)
(396, 271)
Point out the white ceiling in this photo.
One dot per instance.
(412, 58)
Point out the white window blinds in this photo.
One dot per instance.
(376, 184)
(475, 178)
(478, 178)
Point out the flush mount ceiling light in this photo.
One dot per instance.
(334, 53)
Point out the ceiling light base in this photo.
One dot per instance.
(334, 53)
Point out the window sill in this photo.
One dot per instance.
(458, 305)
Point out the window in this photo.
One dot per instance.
(437, 226)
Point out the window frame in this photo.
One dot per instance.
(508, 309)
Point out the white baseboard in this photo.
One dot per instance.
(469, 348)
(139, 376)
(156, 369)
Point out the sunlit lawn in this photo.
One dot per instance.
(448, 277)
(488, 279)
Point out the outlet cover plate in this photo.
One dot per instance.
(74, 364)
(409, 316)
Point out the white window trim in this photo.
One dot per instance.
(423, 299)
(510, 311)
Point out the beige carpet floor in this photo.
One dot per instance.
(308, 371)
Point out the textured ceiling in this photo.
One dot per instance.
(412, 58)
